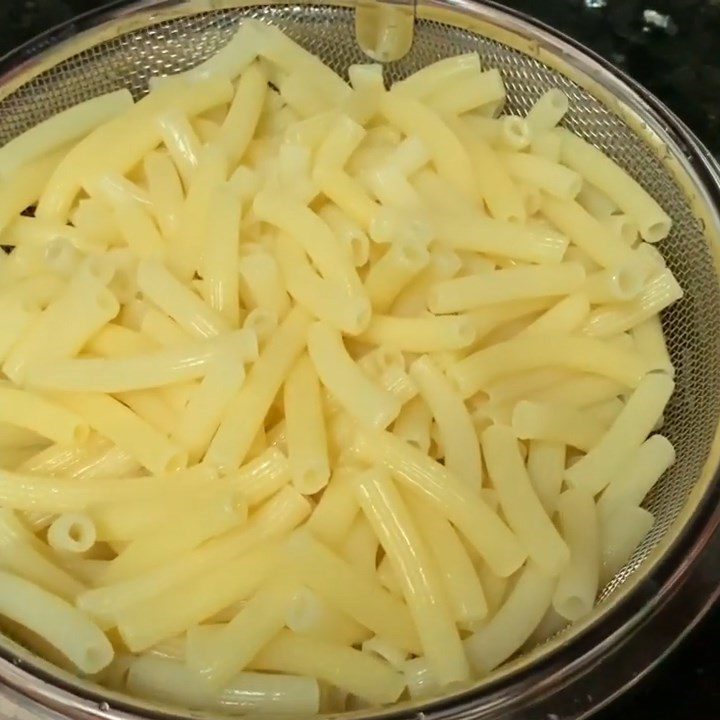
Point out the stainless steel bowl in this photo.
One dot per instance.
(673, 578)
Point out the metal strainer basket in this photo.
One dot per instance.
(671, 579)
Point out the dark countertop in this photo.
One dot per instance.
(671, 47)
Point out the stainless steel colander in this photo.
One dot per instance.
(673, 577)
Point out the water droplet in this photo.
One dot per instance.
(104, 707)
(595, 4)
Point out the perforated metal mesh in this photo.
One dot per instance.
(692, 326)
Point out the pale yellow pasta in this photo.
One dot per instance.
(357, 394)
(551, 177)
(546, 144)
(200, 417)
(419, 680)
(119, 341)
(462, 585)
(557, 423)
(621, 533)
(26, 556)
(381, 648)
(58, 130)
(413, 424)
(341, 141)
(72, 532)
(213, 513)
(354, 593)
(352, 670)
(150, 406)
(419, 334)
(178, 301)
(181, 142)
(545, 467)
(579, 390)
(325, 299)
(56, 621)
(449, 495)
(450, 157)
(514, 133)
(389, 275)
(334, 515)
(46, 493)
(388, 577)
(638, 475)
(512, 624)
(246, 412)
(499, 238)
(464, 94)
(118, 423)
(438, 195)
(562, 318)
(658, 293)
(610, 178)
(650, 343)
(167, 681)
(312, 233)
(120, 144)
(360, 546)
(261, 285)
(436, 75)
(306, 434)
(422, 587)
(229, 650)
(498, 190)
(35, 413)
(596, 202)
(548, 110)
(185, 254)
(232, 58)
(161, 618)
(521, 506)
(389, 374)
(460, 444)
(262, 477)
(221, 286)
(61, 330)
(527, 353)
(190, 361)
(28, 183)
(500, 286)
(18, 315)
(134, 223)
(586, 232)
(52, 235)
(399, 225)
(596, 469)
(262, 336)
(347, 193)
(242, 118)
(312, 616)
(165, 192)
(348, 232)
(577, 586)
(617, 284)
(278, 516)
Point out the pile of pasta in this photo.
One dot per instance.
(319, 395)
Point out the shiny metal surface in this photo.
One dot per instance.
(135, 43)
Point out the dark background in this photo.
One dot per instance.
(673, 48)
